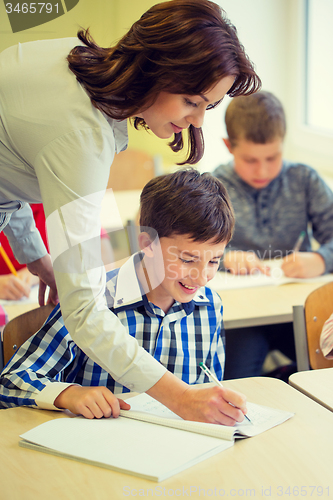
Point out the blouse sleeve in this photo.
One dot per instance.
(23, 236)
(72, 173)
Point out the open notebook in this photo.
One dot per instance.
(227, 281)
(148, 441)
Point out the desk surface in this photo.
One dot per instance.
(316, 384)
(14, 310)
(263, 305)
(294, 454)
(243, 307)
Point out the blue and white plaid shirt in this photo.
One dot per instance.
(50, 361)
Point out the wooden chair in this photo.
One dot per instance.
(308, 323)
(19, 329)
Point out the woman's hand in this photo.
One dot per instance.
(44, 270)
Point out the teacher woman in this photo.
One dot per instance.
(64, 106)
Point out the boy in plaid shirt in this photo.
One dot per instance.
(159, 295)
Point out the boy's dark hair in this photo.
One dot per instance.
(257, 118)
(178, 46)
(189, 203)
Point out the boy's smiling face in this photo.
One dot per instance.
(257, 164)
(188, 265)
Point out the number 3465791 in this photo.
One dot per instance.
(31, 8)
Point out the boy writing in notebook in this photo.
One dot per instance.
(275, 201)
(160, 296)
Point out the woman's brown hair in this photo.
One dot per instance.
(178, 46)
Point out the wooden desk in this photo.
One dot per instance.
(264, 305)
(242, 307)
(316, 384)
(295, 454)
(17, 309)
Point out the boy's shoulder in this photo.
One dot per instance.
(292, 168)
(225, 172)
(302, 175)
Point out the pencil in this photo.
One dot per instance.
(299, 241)
(214, 379)
(8, 261)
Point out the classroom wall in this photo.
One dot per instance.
(263, 28)
(99, 14)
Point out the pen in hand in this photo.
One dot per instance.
(299, 242)
(214, 379)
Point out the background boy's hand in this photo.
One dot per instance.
(238, 262)
(91, 402)
(303, 265)
(44, 270)
(13, 288)
(29, 279)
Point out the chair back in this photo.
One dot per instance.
(318, 308)
(19, 329)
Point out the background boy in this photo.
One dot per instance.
(160, 297)
(274, 202)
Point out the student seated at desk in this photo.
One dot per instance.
(274, 201)
(159, 295)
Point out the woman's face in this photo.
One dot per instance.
(171, 113)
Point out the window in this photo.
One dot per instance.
(319, 67)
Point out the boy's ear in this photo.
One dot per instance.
(228, 144)
(145, 244)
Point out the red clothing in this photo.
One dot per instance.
(39, 217)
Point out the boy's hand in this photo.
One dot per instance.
(216, 405)
(91, 402)
(303, 265)
(238, 262)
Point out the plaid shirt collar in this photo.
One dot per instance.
(128, 292)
